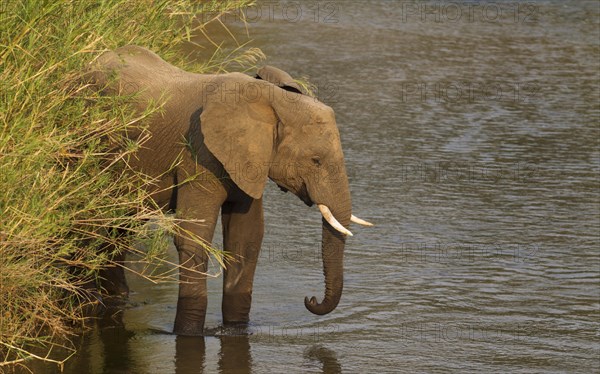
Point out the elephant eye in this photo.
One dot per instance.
(316, 160)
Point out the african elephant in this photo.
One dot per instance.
(225, 135)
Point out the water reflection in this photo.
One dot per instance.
(235, 356)
(115, 343)
(190, 353)
(106, 349)
(112, 348)
(327, 357)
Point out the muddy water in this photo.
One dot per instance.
(471, 138)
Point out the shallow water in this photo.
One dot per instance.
(472, 142)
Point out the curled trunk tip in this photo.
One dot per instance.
(320, 309)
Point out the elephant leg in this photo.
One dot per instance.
(243, 228)
(193, 259)
(112, 278)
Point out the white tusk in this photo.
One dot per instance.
(332, 221)
(355, 219)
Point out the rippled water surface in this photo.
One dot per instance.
(472, 142)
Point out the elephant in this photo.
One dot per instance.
(214, 143)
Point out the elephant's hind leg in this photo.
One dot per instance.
(112, 277)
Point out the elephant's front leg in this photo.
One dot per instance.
(243, 227)
(193, 259)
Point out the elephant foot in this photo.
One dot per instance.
(236, 308)
(188, 328)
(114, 282)
(94, 304)
(189, 320)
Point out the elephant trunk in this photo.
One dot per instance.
(333, 243)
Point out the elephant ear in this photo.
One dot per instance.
(279, 78)
(239, 130)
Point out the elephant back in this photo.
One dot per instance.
(134, 70)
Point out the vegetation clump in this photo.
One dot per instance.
(65, 188)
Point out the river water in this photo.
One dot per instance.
(471, 136)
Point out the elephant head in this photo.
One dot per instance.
(259, 131)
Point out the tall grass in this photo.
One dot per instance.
(64, 188)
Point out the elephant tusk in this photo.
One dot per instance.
(332, 221)
(355, 219)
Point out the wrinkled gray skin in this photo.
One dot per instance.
(227, 134)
